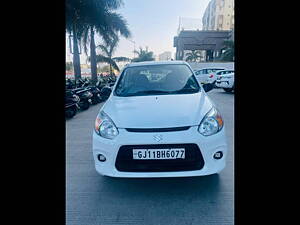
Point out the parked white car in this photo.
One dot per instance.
(159, 122)
(207, 75)
(225, 80)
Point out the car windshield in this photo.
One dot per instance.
(157, 80)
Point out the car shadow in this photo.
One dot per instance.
(161, 188)
(224, 92)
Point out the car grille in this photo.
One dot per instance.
(169, 129)
(193, 159)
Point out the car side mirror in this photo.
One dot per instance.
(208, 87)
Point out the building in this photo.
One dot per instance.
(219, 15)
(210, 43)
(217, 26)
(165, 56)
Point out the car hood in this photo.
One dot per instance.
(160, 111)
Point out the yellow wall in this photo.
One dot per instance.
(219, 15)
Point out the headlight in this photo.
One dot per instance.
(105, 127)
(212, 123)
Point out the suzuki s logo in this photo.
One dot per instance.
(158, 137)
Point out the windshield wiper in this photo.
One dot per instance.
(148, 92)
(186, 90)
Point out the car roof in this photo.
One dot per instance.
(151, 63)
(210, 68)
(218, 68)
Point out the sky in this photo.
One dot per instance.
(154, 23)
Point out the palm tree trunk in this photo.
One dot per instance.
(110, 69)
(76, 58)
(93, 58)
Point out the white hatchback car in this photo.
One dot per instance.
(225, 80)
(207, 75)
(159, 122)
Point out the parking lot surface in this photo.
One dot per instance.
(95, 200)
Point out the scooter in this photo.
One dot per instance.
(84, 93)
(111, 81)
(96, 98)
(104, 88)
(71, 104)
(85, 97)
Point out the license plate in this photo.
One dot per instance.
(173, 153)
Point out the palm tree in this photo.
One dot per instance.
(84, 18)
(107, 50)
(193, 56)
(75, 13)
(228, 54)
(143, 55)
(112, 24)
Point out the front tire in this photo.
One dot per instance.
(70, 113)
(214, 84)
(228, 89)
(85, 105)
(95, 100)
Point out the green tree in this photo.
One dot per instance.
(107, 51)
(193, 56)
(228, 51)
(111, 24)
(84, 18)
(77, 15)
(143, 55)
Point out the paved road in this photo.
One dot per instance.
(96, 200)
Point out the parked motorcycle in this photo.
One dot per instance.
(104, 88)
(85, 93)
(96, 98)
(71, 104)
(105, 92)
(85, 97)
(111, 80)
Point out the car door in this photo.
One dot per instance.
(211, 75)
(219, 74)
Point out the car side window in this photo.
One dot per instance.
(199, 72)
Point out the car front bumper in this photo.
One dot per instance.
(224, 84)
(208, 147)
